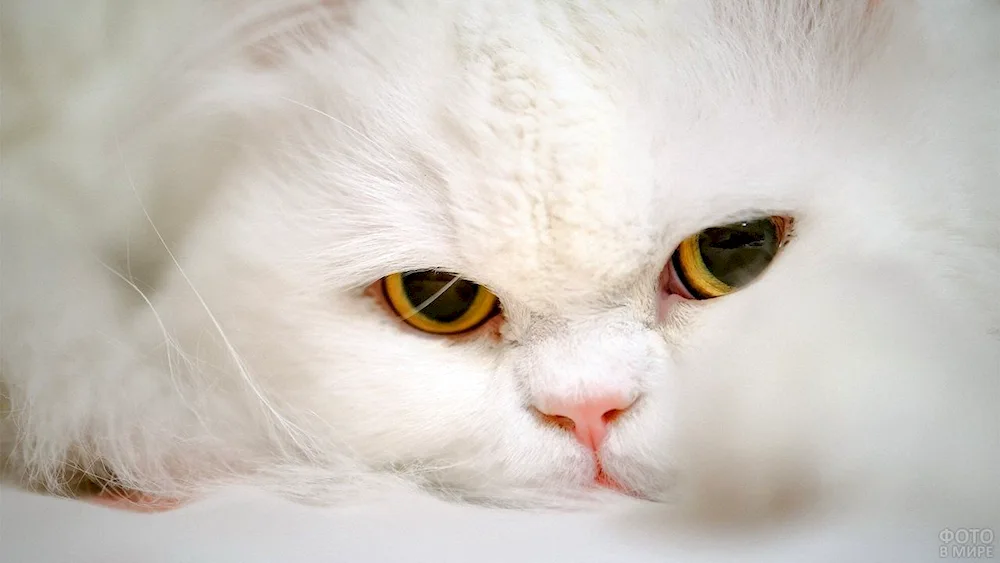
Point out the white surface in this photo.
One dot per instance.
(249, 528)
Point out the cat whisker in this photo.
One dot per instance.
(291, 429)
(173, 349)
(354, 131)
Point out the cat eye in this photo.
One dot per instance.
(439, 302)
(719, 260)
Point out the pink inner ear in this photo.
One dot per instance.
(133, 502)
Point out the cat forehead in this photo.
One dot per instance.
(542, 187)
(568, 144)
(563, 175)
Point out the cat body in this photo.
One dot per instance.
(197, 196)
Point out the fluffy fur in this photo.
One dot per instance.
(197, 192)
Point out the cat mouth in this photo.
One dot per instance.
(605, 481)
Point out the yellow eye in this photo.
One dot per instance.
(439, 302)
(720, 260)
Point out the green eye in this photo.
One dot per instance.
(720, 260)
(438, 302)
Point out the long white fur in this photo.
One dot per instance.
(196, 192)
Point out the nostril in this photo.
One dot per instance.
(588, 420)
(564, 422)
(612, 415)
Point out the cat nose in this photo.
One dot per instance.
(588, 419)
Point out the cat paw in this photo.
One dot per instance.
(133, 501)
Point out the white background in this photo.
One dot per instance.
(249, 528)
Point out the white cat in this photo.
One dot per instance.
(739, 255)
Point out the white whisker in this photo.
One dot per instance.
(173, 349)
(292, 431)
(354, 131)
(434, 297)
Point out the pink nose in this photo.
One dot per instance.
(589, 419)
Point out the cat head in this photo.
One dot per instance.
(515, 249)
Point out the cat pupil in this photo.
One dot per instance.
(731, 239)
(738, 253)
(445, 308)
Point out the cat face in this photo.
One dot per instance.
(557, 157)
